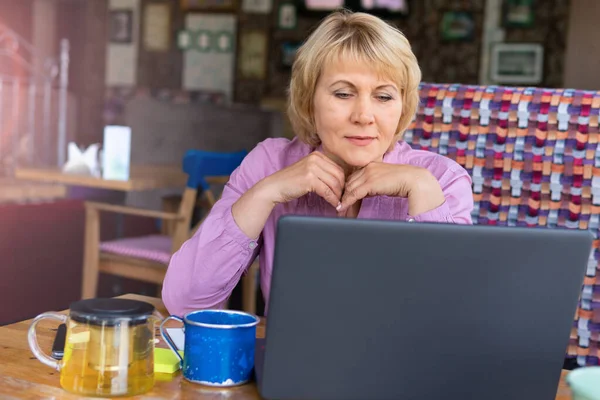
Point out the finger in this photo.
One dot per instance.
(354, 194)
(355, 182)
(328, 160)
(355, 176)
(333, 168)
(332, 181)
(325, 191)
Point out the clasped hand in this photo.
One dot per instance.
(317, 173)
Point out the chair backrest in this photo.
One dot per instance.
(199, 165)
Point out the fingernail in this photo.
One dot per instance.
(339, 207)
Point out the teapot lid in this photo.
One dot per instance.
(110, 311)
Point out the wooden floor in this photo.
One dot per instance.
(16, 191)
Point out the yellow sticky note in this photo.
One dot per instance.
(165, 361)
(79, 337)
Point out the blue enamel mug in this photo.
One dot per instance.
(219, 346)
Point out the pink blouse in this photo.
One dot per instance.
(205, 270)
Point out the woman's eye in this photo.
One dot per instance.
(384, 98)
(343, 95)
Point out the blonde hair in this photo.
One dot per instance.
(351, 36)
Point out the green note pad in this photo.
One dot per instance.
(165, 361)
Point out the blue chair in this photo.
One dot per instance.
(146, 258)
(199, 165)
(204, 168)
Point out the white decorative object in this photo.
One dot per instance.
(184, 40)
(116, 152)
(82, 162)
(517, 63)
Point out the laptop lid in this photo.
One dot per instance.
(363, 309)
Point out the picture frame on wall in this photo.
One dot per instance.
(253, 54)
(257, 6)
(157, 27)
(208, 5)
(120, 28)
(384, 7)
(517, 63)
(381, 8)
(518, 13)
(287, 17)
(457, 26)
(323, 5)
(288, 54)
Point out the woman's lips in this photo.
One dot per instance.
(360, 140)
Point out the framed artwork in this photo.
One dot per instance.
(252, 60)
(382, 8)
(457, 26)
(210, 52)
(517, 63)
(288, 53)
(157, 27)
(257, 6)
(323, 5)
(120, 29)
(208, 5)
(286, 16)
(517, 13)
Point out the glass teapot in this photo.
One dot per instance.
(109, 347)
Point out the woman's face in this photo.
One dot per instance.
(356, 113)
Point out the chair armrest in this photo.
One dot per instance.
(91, 205)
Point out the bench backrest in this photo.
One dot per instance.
(534, 158)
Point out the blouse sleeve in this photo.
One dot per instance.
(456, 185)
(205, 270)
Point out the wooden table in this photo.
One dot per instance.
(141, 177)
(23, 376)
(12, 190)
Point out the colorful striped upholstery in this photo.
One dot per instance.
(534, 158)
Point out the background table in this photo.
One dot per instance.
(14, 190)
(141, 177)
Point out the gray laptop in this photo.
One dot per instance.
(371, 310)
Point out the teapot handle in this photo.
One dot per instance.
(168, 339)
(33, 343)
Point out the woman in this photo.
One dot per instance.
(353, 92)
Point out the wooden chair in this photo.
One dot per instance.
(146, 258)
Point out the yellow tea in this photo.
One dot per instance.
(108, 361)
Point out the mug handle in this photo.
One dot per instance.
(168, 339)
(33, 342)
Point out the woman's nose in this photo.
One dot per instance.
(362, 114)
